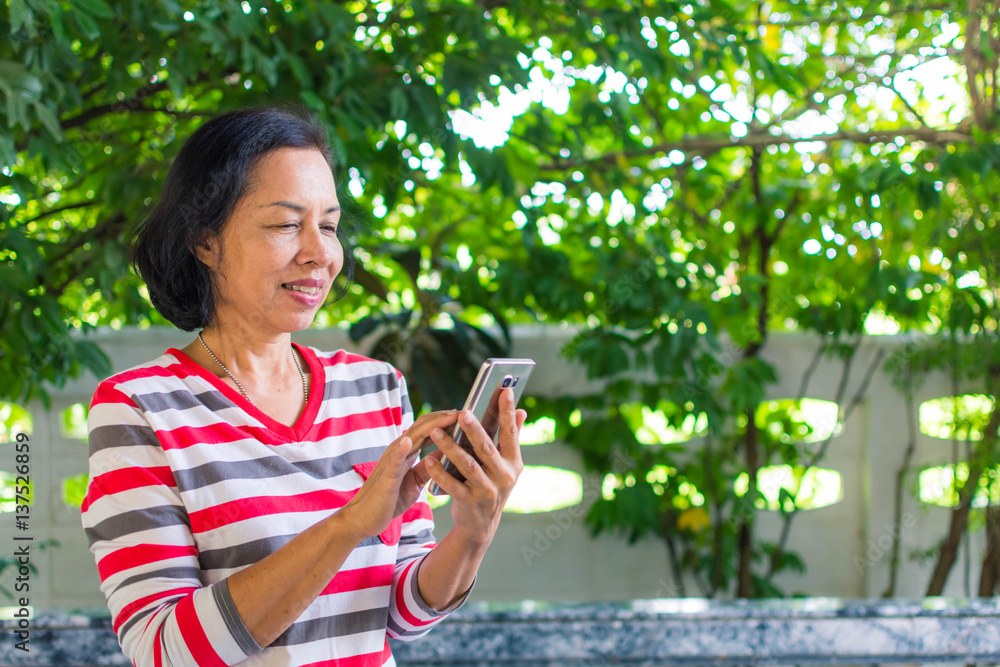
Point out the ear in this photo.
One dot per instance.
(206, 249)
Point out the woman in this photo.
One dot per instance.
(253, 501)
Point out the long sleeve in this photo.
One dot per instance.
(140, 534)
(410, 616)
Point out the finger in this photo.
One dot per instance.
(420, 473)
(466, 464)
(401, 455)
(522, 416)
(454, 488)
(482, 444)
(421, 428)
(507, 436)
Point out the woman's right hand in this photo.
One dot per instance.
(394, 484)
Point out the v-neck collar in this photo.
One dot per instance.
(302, 425)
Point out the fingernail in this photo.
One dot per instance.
(467, 418)
(432, 462)
(437, 434)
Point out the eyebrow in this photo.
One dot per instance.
(297, 208)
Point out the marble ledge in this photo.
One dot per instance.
(793, 631)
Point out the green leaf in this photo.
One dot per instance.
(97, 8)
(398, 104)
(87, 25)
(313, 101)
(92, 358)
(49, 120)
(20, 17)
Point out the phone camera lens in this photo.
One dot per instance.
(506, 382)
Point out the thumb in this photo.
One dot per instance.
(401, 457)
(420, 474)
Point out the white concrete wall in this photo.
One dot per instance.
(573, 566)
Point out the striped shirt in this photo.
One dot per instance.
(190, 483)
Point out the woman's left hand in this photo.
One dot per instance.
(478, 501)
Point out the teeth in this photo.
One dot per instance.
(306, 290)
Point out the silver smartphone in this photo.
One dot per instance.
(494, 376)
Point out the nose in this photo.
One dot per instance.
(318, 245)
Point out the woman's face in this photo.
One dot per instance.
(282, 234)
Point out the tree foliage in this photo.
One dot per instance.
(679, 179)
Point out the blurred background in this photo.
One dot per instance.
(752, 246)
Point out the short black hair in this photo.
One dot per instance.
(210, 174)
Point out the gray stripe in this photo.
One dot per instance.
(425, 536)
(427, 609)
(409, 557)
(340, 625)
(123, 630)
(372, 384)
(132, 522)
(396, 629)
(239, 555)
(268, 467)
(237, 628)
(415, 592)
(181, 399)
(121, 435)
(167, 573)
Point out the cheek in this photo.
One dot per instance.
(337, 252)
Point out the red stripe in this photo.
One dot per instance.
(344, 357)
(226, 513)
(141, 554)
(417, 511)
(126, 479)
(363, 660)
(135, 605)
(360, 421)
(401, 599)
(194, 635)
(360, 579)
(157, 649)
(185, 436)
(107, 393)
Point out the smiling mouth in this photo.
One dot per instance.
(312, 291)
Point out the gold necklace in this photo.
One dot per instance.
(295, 358)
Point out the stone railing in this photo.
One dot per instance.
(642, 632)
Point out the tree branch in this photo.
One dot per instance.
(904, 468)
(818, 455)
(701, 144)
(67, 207)
(171, 112)
(971, 68)
(128, 104)
(97, 234)
(861, 19)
